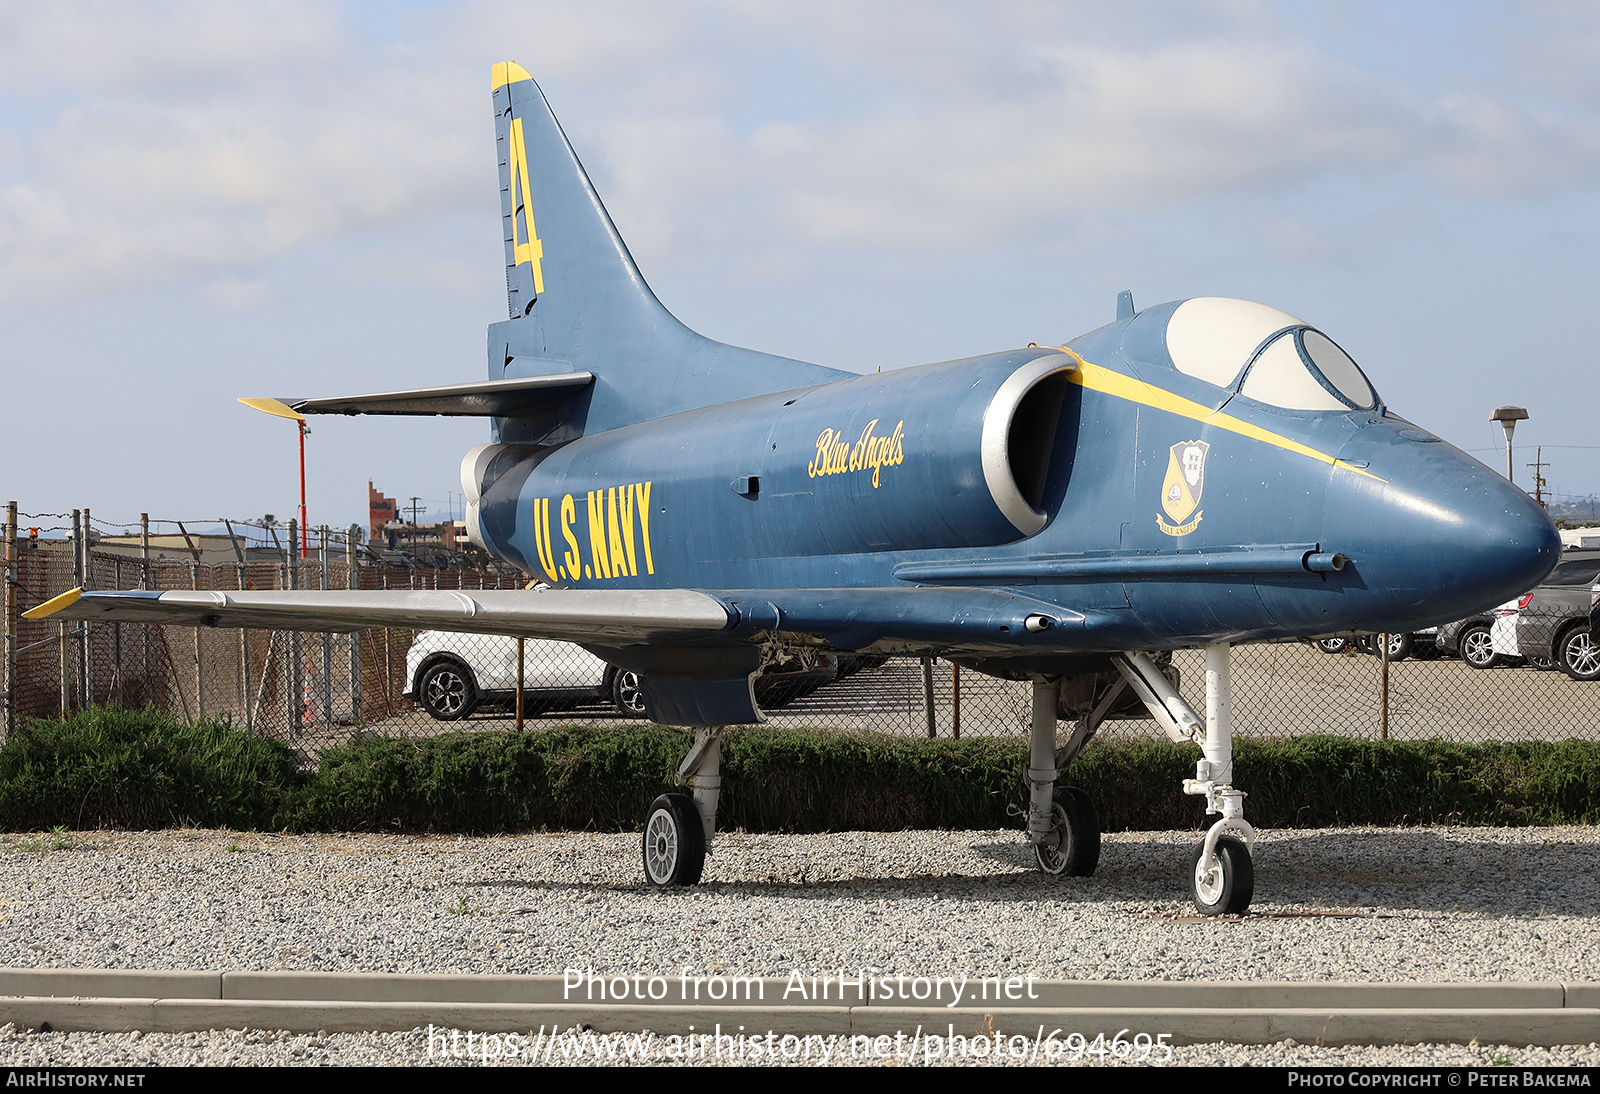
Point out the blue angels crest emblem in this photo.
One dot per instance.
(1181, 489)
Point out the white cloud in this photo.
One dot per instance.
(148, 144)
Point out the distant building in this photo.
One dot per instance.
(448, 535)
(381, 511)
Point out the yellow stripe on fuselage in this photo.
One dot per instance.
(1099, 378)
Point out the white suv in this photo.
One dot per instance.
(451, 675)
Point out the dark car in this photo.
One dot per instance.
(1469, 640)
(1553, 619)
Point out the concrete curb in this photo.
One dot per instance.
(1242, 1012)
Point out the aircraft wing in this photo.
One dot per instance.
(846, 618)
(591, 615)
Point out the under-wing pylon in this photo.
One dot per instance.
(1200, 473)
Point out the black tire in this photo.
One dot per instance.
(447, 691)
(1577, 655)
(1227, 889)
(1401, 646)
(1332, 645)
(1477, 648)
(1074, 848)
(674, 842)
(626, 694)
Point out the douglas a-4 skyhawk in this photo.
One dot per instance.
(1196, 474)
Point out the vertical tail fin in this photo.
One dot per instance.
(575, 294)
(559, 237)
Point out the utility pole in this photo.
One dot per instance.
(415, 510)
(1538, 465)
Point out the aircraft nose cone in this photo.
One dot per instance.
(1442, 538)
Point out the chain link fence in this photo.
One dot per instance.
(312, 690)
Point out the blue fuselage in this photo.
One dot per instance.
(1170, 512)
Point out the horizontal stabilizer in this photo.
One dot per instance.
(480, 399)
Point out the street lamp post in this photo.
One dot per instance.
(283, 410)
(1508, 417)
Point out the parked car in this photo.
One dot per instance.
(1418, 644)
(1471, 640)
(451, 675)
(1552, 621)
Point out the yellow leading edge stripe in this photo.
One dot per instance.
(1099, 378)
(53, 605)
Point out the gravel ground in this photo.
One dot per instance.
(1372, 905)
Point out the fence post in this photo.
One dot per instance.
(352, 581)
(521, 643)
(388, 660)
(327, 636)
(927, 695)
(149, 695)
(11, 617)
(80, 560)
(244, 637)
(199, 649)
(955, 700)
(87, 583)
(1383, 688)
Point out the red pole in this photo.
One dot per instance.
(303, 530)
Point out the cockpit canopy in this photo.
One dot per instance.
(1265, 354)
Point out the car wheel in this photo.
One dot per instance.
(1477, 648)
(1332, 645)
(626, 693)
(1580, 657)
(1400, 646)
(446, 690)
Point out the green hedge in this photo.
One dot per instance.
(112, 768)
(126, 769)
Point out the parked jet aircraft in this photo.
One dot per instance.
(1197, 474)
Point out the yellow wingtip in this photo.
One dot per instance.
(53, 605)
(507, 72)
(274, 406)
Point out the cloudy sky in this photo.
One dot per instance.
(200, 201)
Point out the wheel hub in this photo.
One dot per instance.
(1208, 880)
(663, 845)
